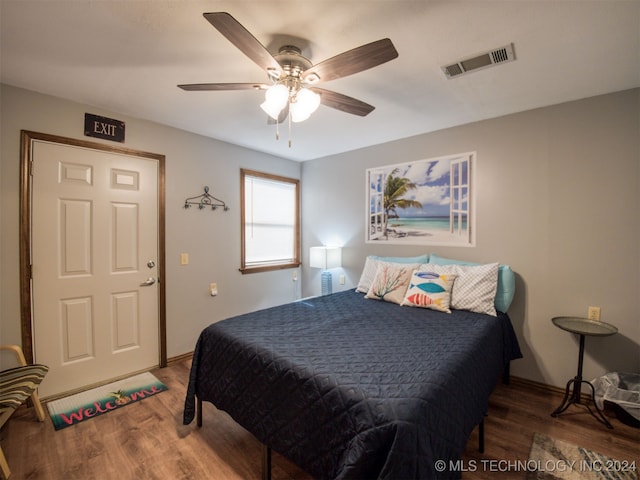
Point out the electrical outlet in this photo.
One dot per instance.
(213, 289)
(294, 276)
(342, 280)
(594, 313)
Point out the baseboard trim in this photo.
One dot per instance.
(543, 387)
(179, 358)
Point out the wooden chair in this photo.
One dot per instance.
(17, 385)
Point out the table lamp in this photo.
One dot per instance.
(325, 258)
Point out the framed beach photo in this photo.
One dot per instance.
(426, 202)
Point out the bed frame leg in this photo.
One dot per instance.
(199, 412)
(266, 462)
(506, 374)
(481, 436)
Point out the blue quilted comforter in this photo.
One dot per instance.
(350, 388)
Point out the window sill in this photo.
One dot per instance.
(269, 268)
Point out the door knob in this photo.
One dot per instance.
(149, 281)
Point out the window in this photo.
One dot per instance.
(270, 218)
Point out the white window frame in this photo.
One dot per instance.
(375, 182)
(460, 197)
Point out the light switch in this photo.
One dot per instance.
(184, 259)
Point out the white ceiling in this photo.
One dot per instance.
(128, 57)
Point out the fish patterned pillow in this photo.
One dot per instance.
(430, 290)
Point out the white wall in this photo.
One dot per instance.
(558, 196)
(212, 239)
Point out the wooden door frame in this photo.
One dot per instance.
(26, 141)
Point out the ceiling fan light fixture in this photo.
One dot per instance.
(270, 110)
(297, 114)
(275, 99)
(306, 102)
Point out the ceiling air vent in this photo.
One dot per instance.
(484, 60)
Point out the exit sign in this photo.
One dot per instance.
(103, 127)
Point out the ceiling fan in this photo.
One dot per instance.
(293, 77)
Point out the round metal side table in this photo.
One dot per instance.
(582, 327)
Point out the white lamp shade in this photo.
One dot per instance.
(273, 112)
(297, 114)
(277, 95)
(306, 103)
(325, 257)
(276, 98)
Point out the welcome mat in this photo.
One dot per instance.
(554, 459)
(82, 406)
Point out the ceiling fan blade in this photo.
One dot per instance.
(244, 41)
(192, 87)
(343, 102)
(352, 61)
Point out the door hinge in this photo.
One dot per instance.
(31, 168)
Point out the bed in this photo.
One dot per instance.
(349, 387)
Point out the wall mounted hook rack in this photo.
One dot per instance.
(205, 200)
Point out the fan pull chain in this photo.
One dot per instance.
(289, 116)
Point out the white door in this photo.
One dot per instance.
(94, 265)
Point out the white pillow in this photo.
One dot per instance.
(367, 276)
(474, 289)
(371, 267)
(391, 282)
(430, 290)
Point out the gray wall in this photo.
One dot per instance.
(212, 239)
(557, 199)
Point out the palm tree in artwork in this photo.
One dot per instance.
(395, 188)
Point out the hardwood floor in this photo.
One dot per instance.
(147, 440)
(518, 410)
